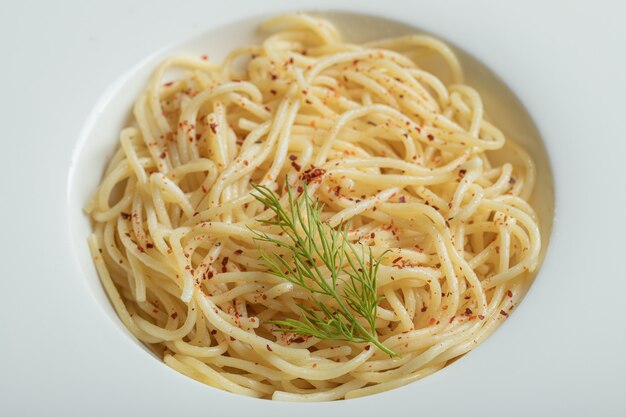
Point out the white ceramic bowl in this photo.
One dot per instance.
(66, 352)
(101, 132)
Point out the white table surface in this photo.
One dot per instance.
(561, 353)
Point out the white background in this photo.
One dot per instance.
(561, 353)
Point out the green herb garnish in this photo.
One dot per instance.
(321, 260)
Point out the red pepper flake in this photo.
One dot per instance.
(452, 319)
(462, 173)
(432, 321)
(402, 199)
(300, 189)
(238, 251)
(168, 84)
(213, 331)
(367, 347)
(468, 311)
(268, 347)
(372, 235)
(209, 274)
(125, 216)
(149, 245)
(174, 315)
(396, 260)
(296, 166)
(498, 249)
(511, 180)
(213, 127)
(273, 91)
(204, 190)
(430, 137)
(504, 313)
(312, 174)
(273, 76)
(205, 57)
(480, 316)
(424, 309)
(292, 157)
(509, 293)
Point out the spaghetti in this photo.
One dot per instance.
(382, 145)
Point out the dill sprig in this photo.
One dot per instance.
(309, 243)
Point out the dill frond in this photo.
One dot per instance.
(322, 261)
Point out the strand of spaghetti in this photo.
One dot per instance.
(206, 374)
(385, 386)
(212, 314)
(313, 373)
(328, 395)
(114, 295)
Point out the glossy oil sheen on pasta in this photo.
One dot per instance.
(385, 147)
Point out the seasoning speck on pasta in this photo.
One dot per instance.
(313, 220)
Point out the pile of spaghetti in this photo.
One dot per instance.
(311, 219)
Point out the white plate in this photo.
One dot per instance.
(63, 351)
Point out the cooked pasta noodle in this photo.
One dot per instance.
(380, 142)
